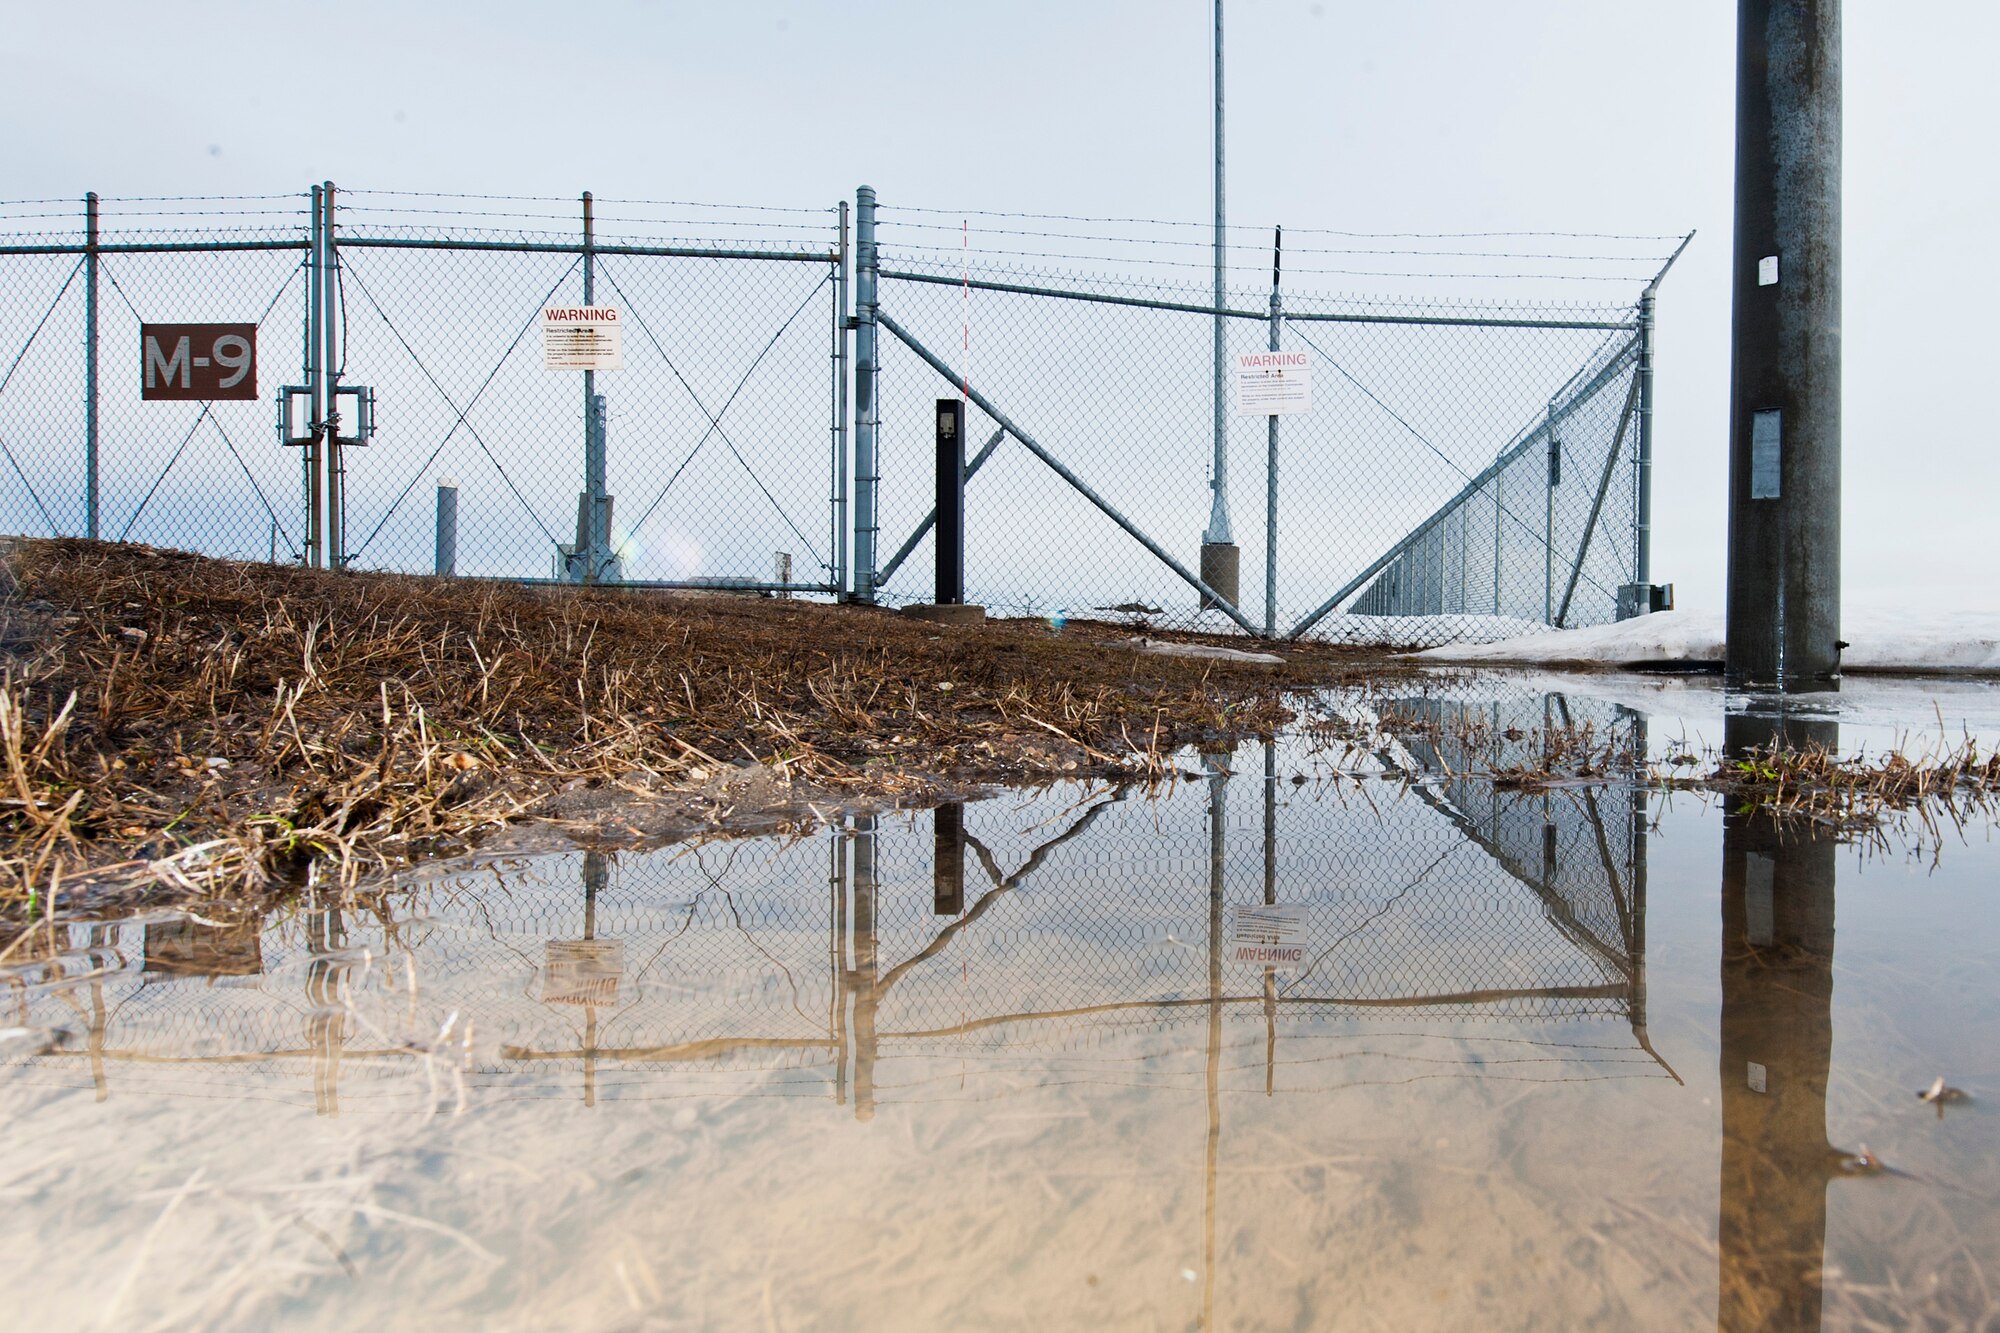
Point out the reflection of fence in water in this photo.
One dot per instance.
(812, 966)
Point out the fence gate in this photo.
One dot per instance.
(713, 457)
(1464, 469)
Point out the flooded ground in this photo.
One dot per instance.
(1270, 1047)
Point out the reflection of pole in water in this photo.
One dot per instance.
(948, 859)
(326, 1017)
(865, 966)
(837, 959)
(1218, 784)
(99, 937)
(596, 874)
(1270, 897)
(1777, 1045)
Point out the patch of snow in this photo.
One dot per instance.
(1965, 642)
(1664, 636)
(1404, 631)
(1164, 649)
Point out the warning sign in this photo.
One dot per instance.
(1273, 384)
(1269, 935)
(582, 337)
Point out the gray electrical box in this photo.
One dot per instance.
(1639, 599)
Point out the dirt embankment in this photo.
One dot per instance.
(176, 723)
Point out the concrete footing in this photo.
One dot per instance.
(952, 613)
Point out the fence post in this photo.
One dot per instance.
(315, 456)
(336, 470)
(1271, 454)
(1499, 508)
(1549, 520)
(444, 559)
(1642, 555)
(90, 365)
(840, 409)
(587, 535)
(867, 411)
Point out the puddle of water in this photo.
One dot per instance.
(1583, 1056)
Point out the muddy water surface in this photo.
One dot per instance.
(1500, 1059)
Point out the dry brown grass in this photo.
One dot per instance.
(202, 725)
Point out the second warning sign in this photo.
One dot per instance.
(1273, 384)
(582, 337)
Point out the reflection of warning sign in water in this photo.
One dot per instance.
(1269, 935)
(582, 971)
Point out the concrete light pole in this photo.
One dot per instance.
(1220, 556)
(1784, 428)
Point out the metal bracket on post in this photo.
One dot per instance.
(353, 418)
(867, 411)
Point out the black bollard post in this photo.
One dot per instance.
(950, 501)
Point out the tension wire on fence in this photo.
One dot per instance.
(715, 418)
(462, 412)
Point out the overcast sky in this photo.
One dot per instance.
(1579, 115)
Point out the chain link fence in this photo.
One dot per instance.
(84, 454)
(1472, 462)
(719, 427)
(1417, 501)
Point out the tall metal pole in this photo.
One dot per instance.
(315, 459)
(336, 469)
(90, 365)
(593, 438)
(1642, 555)
(1271, 453)
(867, 412)
(1784, 440)
(1219, 555)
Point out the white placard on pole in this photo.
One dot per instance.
(1273, 384)
(582, 337)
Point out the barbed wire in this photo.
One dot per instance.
(1265, 228)
(1309, 272)
(1252, 299)
(1263, 248)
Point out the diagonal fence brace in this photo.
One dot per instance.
(1077, 483)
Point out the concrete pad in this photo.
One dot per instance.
(957, 614)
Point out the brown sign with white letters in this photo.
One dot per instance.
(197, 362)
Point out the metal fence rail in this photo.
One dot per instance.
(1470, 465)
